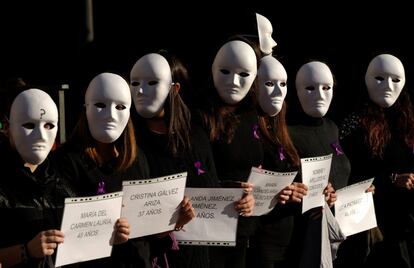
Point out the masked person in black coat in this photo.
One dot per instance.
(31, 193)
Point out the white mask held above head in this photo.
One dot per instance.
(385, 79)
(150, 84)
(265, 30)
(108, 102)
(314, 87)
(33, 125)
(272, 78)
(234, 70)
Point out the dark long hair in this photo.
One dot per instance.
(377, 127)
(220, 118)
(275, 130)
(177, 115)
(125, 144)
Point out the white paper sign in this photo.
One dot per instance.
(215, 223)
(266, 185)
(152, 206)
(88, 224)
(354, 208)
(315, 174)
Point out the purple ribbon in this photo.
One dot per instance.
(255, 132)
(281, 153)
(413, 148)
(337, 147)
(174, 245)
(101, 187)
(197, 165)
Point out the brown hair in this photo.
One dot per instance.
(377, 128)
(275, 130)
(125, 144)
(177, 114)
(219, 117)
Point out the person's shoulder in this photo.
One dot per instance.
(328, 122)
(297, 128)
(66, 155)
(293, 130)
(197, 129)
(67, 148)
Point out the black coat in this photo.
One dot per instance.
(29, 202)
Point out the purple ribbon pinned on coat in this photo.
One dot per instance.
(174, 245)
(281, 153)
(337, 147)
(101, 188)
(255, 132)
(197, 165)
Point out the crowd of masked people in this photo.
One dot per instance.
(156, 122)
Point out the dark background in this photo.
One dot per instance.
(44, 42)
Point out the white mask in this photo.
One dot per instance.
(385, 79)
(33, 125)
(108, 102)
(234, 70)
(314, 87)
(150, 84)
(265, 29)
(272, 88)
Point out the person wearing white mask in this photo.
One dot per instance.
(100, 154)
(31, 193)
(171, 142)
(385, 79)
(272, 240)
(272, 85)
(315, 135)
(230, 116)
(234, 70)
(265, 31)
(107, 108)
(379, 140)
(151, 83)
(314, 87)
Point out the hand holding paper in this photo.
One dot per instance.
(330, 195)
(269, 188)
(245, 205)
(299, 191)
(122, 230)
(186, 213)
(315, 174)
(354, 208)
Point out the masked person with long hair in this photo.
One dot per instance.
(100, 154)
(379, 141)
(271, 243)
(171, 142)
(230, 117)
